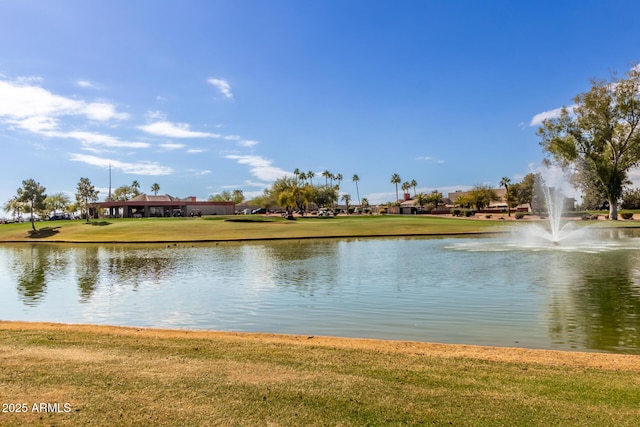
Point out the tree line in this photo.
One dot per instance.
(31, 198)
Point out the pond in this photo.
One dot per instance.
(454, 290)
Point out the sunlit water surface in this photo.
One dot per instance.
(491, 291)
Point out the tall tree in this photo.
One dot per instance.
(155, 187)
(603, 130)
(310, 175)
(631, 199)
(395, 179)
(420, 200)
(326, 175)
(414, 184)
(135, 188)
(14, 206)
(436, 198)
(527, 190)
(122, 193)
(481, 196)
(406, 186)
(355, 179)
(85, 193)
(504, 182)
(32, 194)
(235, 196)
(346, 198)
(56, 202)
(338, 177)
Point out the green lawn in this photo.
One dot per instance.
(221, 228)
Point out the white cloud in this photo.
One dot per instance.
(175, 130)
(222, 86)
(551, 114)
(172, 146)
(254, 184)
(23, 103)
(247, 143)
(101, 111)
(89, 139)
(85, 83)
(199, 171)
(260, 168)
(156, 116)
(241, 142)
(430, 159)
(195, 150)
(36, 124)
(139, 168)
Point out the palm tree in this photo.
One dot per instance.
(414, 184)
(338, 178)
(406, 186)
(310, 175)
(347, 199)
(15, 206)
(355, 179)
(421, 200)
(155, 188)
(326, 175)
(395, 179)
(504, 182)
(135, 188)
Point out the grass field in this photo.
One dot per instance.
(239, 228)
(253, 227)
(102, 375)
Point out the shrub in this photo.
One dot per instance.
(456, 212)
(469, 213)
(519, 215)
(627, 215)
(488, 216)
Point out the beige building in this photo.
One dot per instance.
(501, 203)
(144, 206)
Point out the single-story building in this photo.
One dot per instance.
(144, 206)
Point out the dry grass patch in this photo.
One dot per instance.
(128, 376)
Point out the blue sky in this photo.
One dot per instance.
(203, 96)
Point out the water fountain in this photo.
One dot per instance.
(555, 232)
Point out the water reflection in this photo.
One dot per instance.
(606, 298)
(135, 265)
(34, 266)
(87, 271)
(444, 290)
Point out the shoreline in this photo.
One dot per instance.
(550, 358)
(259, 239)
(355, 227)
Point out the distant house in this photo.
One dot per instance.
(144, 206)
(496, 205)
